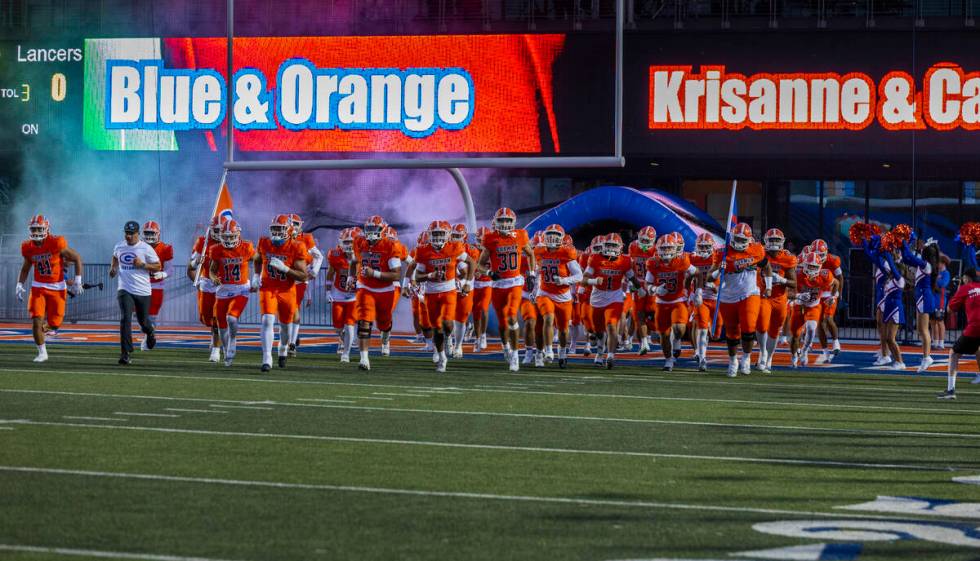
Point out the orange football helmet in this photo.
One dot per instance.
(554, 236)
(439, 233)
(231, 234)
(374, 228)
(458, 234)
(812, 264)
(646, 237)
(151, 232)
(704, 246)
(281, 229)
(741, 236)
(346, 241)
(612, 246)
(567, 241)
(774, 239)
(504, 220)
(297, 223)
(820, 248)
(215, 230)
(596, 245)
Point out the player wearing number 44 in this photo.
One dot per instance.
(47, 254)
(229, 272)
(281, 258)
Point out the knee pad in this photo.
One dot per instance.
(363, 330)
(731, 342)
(748, 337)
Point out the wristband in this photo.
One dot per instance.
(376, 274)
(78, 280)
(767, 280)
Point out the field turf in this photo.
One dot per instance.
(172, 458)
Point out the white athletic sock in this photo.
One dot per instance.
(293, 333)
(42, 349)
(810, 333)
(954, 364)
(268, 337)
(562, 353)
(225, 337)
(349, 339)
(573, 336)
(459, 329)
(771, 344)
(284, 337)
(763, 339)
(232, 337)
(385, 337)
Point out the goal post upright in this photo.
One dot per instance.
(452, 165)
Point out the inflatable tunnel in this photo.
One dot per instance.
(620, 207)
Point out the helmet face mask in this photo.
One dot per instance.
(215, 230)
(230, 237)
(438, 238)
(374, 228)
(504, 221)
(612, 246)
(280, 229)
(646, 238)
(554, 236)
(774, 239)
(38, 230)
(704, 246)
(150, 233)
(741, 237)
(458, 234)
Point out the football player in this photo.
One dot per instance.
(668, 276)
(482, 292)
(533, 337)
(464, 302)
(559, 272)
(739, 293)
(151, 235)
(503, 250)
(828, 303)
(705, 298)
(229, 271)
(48, 255)
(281, 258)
(315, 262)
(774, 309)
(437, 265)
(341, 293)
(644, 305)
(402, 252)
(376, 265)
(198, 270)
(606, 273)
(809, 286)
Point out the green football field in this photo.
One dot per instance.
(173, 458)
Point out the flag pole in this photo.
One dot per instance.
(207, 228)
(724, 255)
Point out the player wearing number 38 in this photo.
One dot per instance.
(133, 260)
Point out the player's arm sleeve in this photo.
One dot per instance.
(574, 272)
(394, 263)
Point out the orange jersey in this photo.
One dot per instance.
(639, 257)
(670, 274)
(289, 252)
(583, 262)
(740, 272)
(506, 253)
(613, 272)
(232, 264)
(46, 259)
(476, 251)
(832, 264)
(204, 253)
(165, 252)
(379, 257)
(781, 263)
(306, 239)
(337, 260)
(709, 288)
(442, 262)
(552, 265)
(811, 287)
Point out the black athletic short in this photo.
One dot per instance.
(966, 345)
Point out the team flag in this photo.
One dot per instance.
(732, 221)
(224, 208)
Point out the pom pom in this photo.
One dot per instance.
(902, 233)
(970, 233)
(858, 233)
(890, 241)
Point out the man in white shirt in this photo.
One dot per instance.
(133, 260)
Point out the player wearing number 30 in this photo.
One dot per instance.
(559, 270)
(47, 254)
(282, 260)
(230, 272)
(436, 265)
(504, 249)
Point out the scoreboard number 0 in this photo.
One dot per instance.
(59, 86)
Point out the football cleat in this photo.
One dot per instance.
(385, 349)
(435, 357)
(215, 354)
(515, 363)
(745, 365)
(610, 362)
(292, 349)
(948, 394)
(458, 351)
(344, 357)
(538, 360)
(143, 346)
(732, 367)
(365, 363)
(123, 359)
(597, 362)
(441, 365)
(265, 368)
(669, 365)
(563, 363)
(282, 361)
(229, 360)
(702, 365)
(528, 356)
(150, 340)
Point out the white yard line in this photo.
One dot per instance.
(367, 397)
(235, 406)
(533, 449)
(447, 494)
(9, 428)
(535, 415)
(501, 389)
(82, 418)
(400, 394)
(73, 552)
(129, 414)
(194, 410)
(325, 400)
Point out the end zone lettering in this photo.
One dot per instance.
(715, 99)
